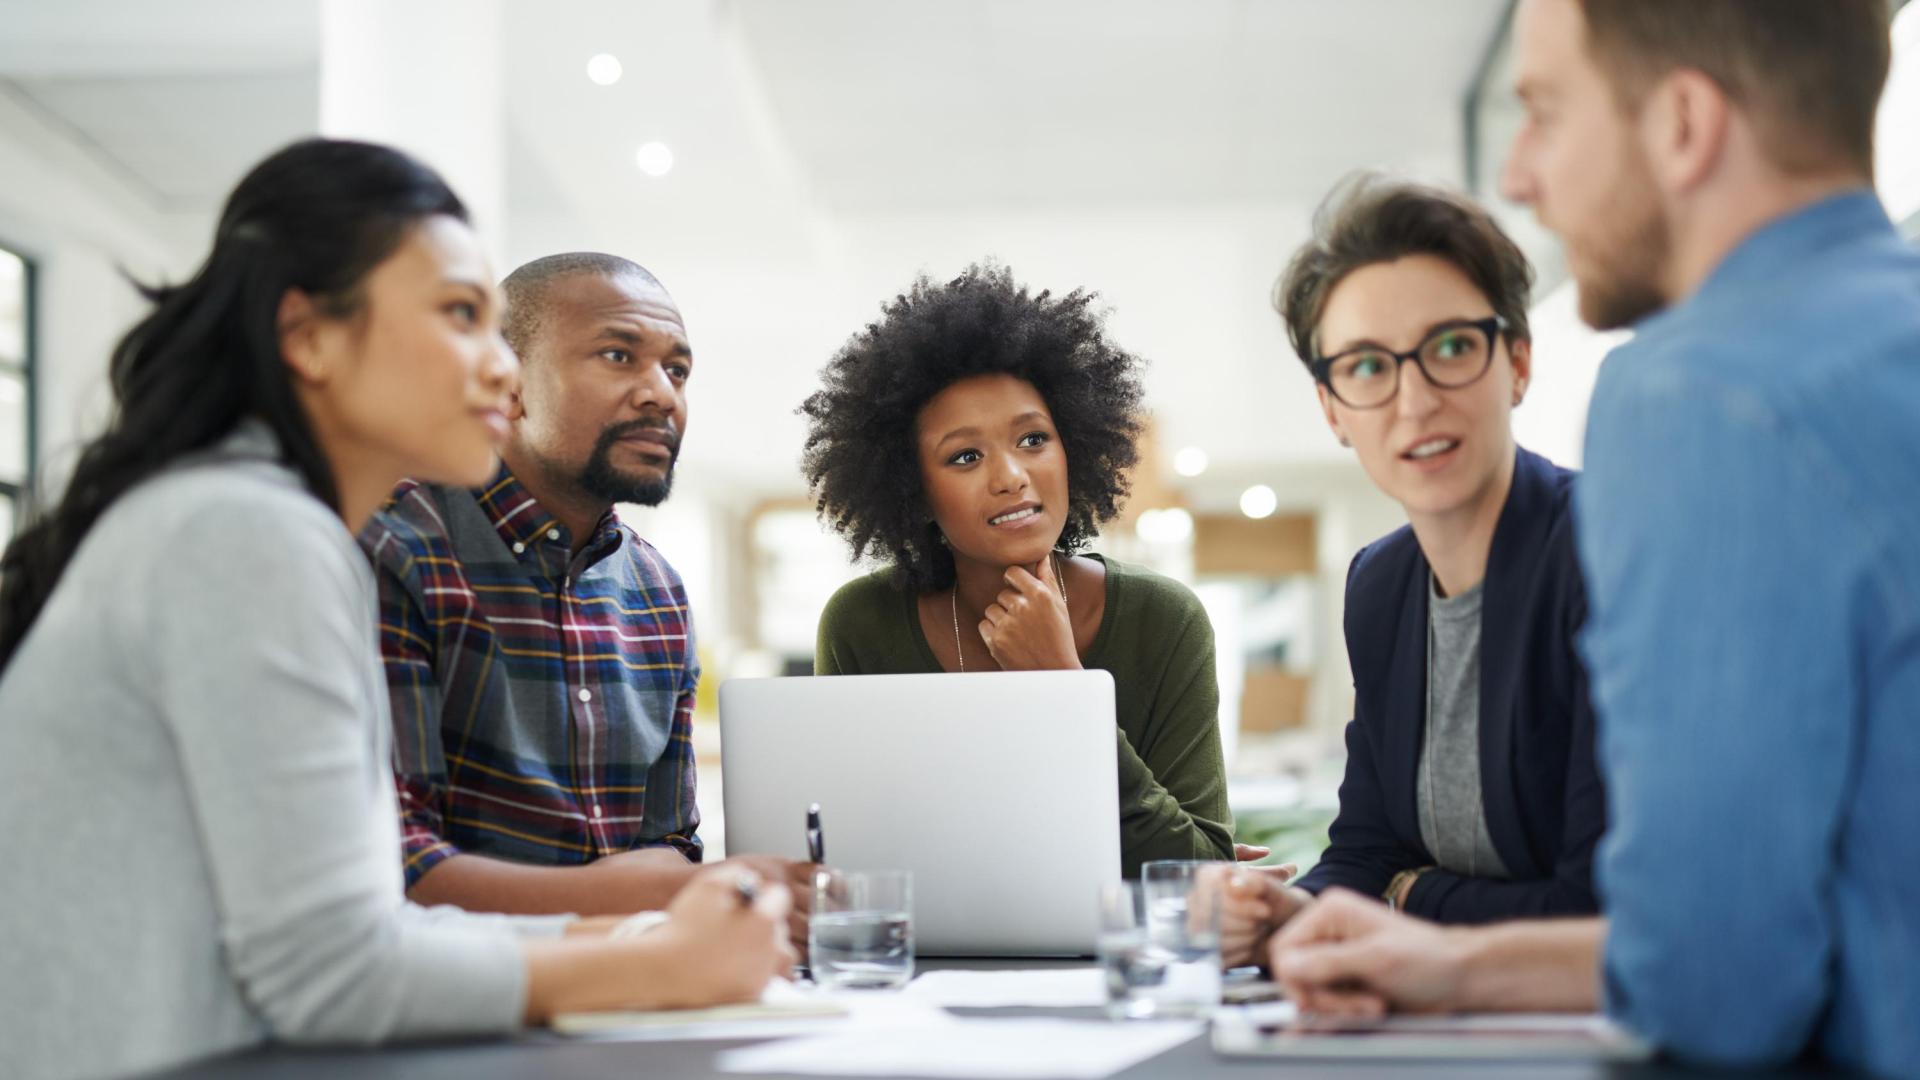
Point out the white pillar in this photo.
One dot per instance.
(424, 76)
(1898, 138)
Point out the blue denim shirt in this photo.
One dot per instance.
(1749, 524)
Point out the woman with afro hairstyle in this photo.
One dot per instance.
(977, 436)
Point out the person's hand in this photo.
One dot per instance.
(1349, 955)
(720, 948)
(1027, 627)
(1254, 901)
(724, 936)
(798, 878)
(1250, 852)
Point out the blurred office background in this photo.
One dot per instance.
(784, 166)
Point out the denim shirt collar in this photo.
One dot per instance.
(1782, 245)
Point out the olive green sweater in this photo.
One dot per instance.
(1156, 642)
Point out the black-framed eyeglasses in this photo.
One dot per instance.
(1454, 354)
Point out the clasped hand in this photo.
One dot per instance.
(1028, 626)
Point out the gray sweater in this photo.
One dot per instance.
(199, 847)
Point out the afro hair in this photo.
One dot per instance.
(862, 460)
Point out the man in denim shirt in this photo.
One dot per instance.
(1750, 532)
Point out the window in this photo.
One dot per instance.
(16, 387)
(1898, 167)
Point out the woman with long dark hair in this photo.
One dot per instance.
(201, 843)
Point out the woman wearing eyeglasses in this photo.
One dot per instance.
(1471, 793)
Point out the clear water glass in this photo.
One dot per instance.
(1133, 975)
(860, 936)
(1157, 964)
(1183, 924)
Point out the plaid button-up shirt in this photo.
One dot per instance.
(542, 701)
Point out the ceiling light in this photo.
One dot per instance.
(1169, 526)
(1259, 501)
(604, 69)
(1190, 462)
(654, 159)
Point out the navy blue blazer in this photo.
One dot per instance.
(1544, 802)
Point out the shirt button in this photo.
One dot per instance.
(586, 695)
(519, 548)
(596, 811)
(553, 534)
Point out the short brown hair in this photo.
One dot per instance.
(1369, 219)
(1808, 72)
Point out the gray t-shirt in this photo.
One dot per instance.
(1453, 819)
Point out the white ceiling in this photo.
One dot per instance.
(177, 99)
(1016, 101)
(128, 37)
(179, 139)
(880, 105)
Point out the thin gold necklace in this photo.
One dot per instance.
(1058, 577)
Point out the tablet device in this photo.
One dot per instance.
(1280, 1033)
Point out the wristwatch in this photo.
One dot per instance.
(1401, 884)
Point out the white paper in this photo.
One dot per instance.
(784, 1010)
(719, 1031)
(1019, 1049)
(1057, 988)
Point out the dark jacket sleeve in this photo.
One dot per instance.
(1364, 852)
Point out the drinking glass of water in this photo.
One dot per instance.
(860, 935)
(1182, 923)
(1159, 961)
(1134, 975)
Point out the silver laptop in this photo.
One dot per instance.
(999, 791)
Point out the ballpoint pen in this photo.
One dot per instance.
(817, 854)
